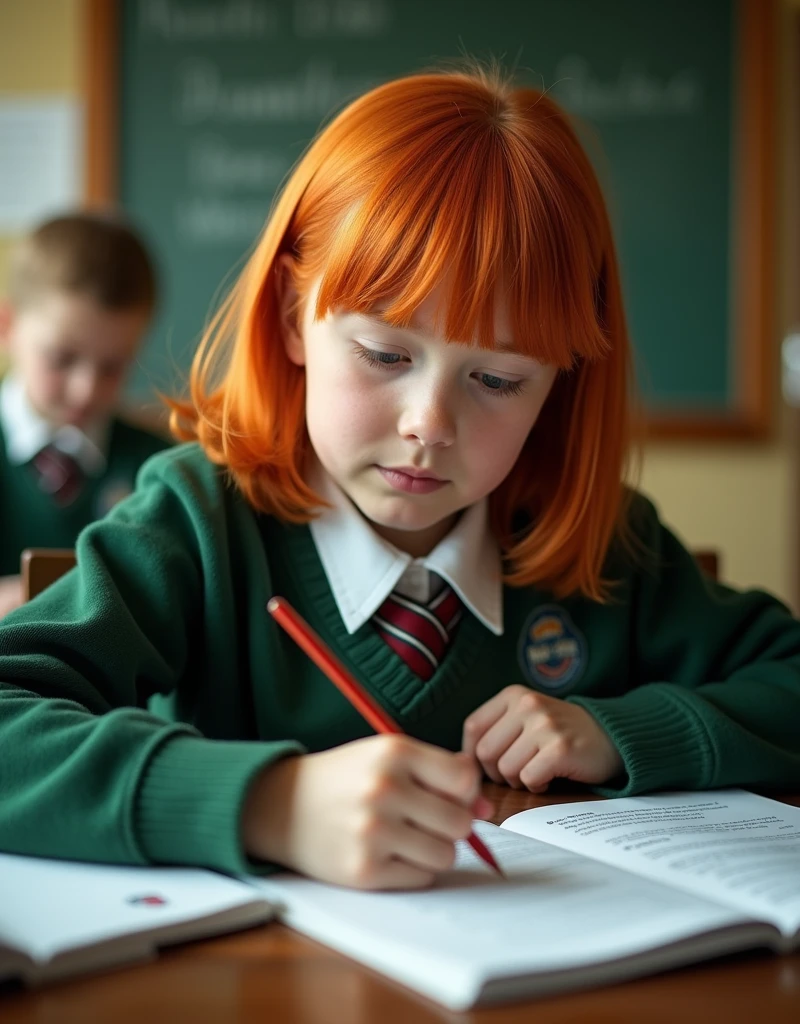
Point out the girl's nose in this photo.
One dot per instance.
(428, 420)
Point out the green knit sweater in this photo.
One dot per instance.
(31, 519)
(697, 685)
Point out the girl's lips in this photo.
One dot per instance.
(410, 484)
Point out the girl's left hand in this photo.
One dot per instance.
(527, 739)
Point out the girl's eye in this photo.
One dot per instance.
(499, 385)
(375, 357)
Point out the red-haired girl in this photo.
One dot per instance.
(411, 420)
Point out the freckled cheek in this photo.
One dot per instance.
(344, 414)
(494, 451)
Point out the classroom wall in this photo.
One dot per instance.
(738, 498)
(743, 498)
(40, 56)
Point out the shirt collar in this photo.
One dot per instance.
(26, 432)
(363, 568)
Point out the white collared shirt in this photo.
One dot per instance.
(26, 432)
(363, 568)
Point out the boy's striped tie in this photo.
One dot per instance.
(419, 633)
(58, 474)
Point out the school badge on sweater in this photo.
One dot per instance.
(552, 650)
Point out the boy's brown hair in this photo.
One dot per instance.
(96, 255)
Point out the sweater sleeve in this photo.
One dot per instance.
(86, 771)
(717, 695)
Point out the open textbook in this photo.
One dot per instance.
(595, 892)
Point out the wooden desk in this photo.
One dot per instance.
(270, 975)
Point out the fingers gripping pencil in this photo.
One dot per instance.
(324, 658)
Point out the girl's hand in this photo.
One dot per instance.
(10, 594)
(526, 739)
(379, 813)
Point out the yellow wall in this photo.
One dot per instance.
(737, 498)
(39, 56)
(734, 498)
(39, 46)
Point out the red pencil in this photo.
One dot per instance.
(324, 658)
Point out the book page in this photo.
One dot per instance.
(727, 845)
(554, 911)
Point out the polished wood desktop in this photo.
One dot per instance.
(269, 974)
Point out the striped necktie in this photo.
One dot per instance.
(58, 474)
(419, 633)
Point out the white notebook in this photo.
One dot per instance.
(595, 892)
(60, 917)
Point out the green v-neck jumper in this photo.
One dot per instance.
(697, 685)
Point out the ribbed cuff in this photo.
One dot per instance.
(189, 803)
(661, 739)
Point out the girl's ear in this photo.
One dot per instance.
(289, 309)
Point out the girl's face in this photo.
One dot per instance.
(412, 428)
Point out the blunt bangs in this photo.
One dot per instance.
(476, 207)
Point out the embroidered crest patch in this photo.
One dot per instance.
(552, 651)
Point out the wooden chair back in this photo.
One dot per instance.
(40, 567)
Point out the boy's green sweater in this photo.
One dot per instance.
(698, 686)
(29, 518)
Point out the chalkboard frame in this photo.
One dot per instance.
(752, 344)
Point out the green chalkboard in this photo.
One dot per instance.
(218, 98)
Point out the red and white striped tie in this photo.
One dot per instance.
(419, 633)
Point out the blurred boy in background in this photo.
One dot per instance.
(82, 291)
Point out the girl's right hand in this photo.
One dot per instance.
(378, 813)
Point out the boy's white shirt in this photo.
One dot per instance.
(363, 568)
(26, 432)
